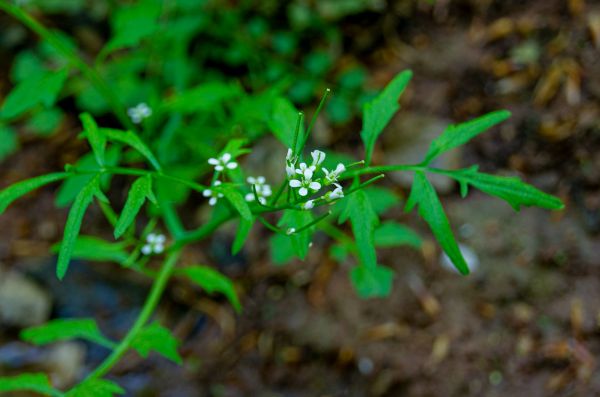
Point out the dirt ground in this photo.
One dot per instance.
(525, 323)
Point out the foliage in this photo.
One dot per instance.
(184, 136)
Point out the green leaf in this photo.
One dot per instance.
(38, 90)
(510, 189)
(364, 220)
(212, 281)
(8, 142)
(95, 137)
(203, 98)
(45, 122)
(237, 200)
(284, 118)
(381, 199)
(243, 230)
(66, 329)
(300, 240)
(133, 140)
(140, 190)
(13, 192)
(95, 388)
(372, 282)
(281, 249)
(132, 24)
(431, 210)
(28, 382)
(378, 112)
(95, 249)
(156, 338)
(459, 134)
(73, 225)
(392, 234)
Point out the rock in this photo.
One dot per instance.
(22, 302)
(64, 362)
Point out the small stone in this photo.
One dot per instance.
(470, 257)
(22, 302)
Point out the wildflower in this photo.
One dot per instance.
(318, 157)
(155, 244)
(290, 163)
(139, 113)
(332, 176)
(214, 196)
(290, 231)
(263, 190)
(305, 182)
(310, 204)
(337, 193)
(223, 162)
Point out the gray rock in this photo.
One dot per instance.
(22, 302)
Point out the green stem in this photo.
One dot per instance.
(152, 300)
(87, 71)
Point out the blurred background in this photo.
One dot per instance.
(525, 323)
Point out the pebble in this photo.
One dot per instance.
(470, 257)
(22, 302)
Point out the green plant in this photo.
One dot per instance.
(317, 193)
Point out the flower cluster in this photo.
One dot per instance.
(223, 162)
(213, 194)
(139, 113)
(155, 244)
(302, 177)
(263, 190)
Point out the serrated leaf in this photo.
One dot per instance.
(40, 89)
(430, 209)
(95, 249)
(510, 189)
(140, 190)
(132, 139)
(66, 329)
(156, 338)
(459, 134)
(237, 201)
(95, 388)
(73, 225)
(392, 234)
(28, 382)
(284, 117)
(95, 137)
(378, 112)
(243, 230)
(301, 240)
(212, 281)
(13, 192)
(363, 220)
(372, 282)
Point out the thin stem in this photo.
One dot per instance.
(152, 300)
(297, 132)
(90, 73)
(314, 119)
(314, 222)
(270, 226)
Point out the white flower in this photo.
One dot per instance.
(337, 193)
(308, 205)
(332, 176)
(263, 190)
(214, 196)
(139, 113)
(290, 163)
(290, 231)
(223, 162)
(305, 171)
(318, 157)
(304, 184)
(155, 244)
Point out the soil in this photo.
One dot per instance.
(525, 323)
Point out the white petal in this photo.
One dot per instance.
(207, 192)
(289, 154)
(231, 166)
(251, 180)
(212, 201)
(295, 183)
(217, 183)
(151, 238)
(213, 161)
(262, 200)
(303, 191)
(158, 248)
(340, 168)
(226, 157)
(315, 186)
(308, 173)
(147, 249)
(308, 205)
(160, 239)
(219, 167)
(290, 171)
(220, 195)
(249, 197)
(261, 180)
